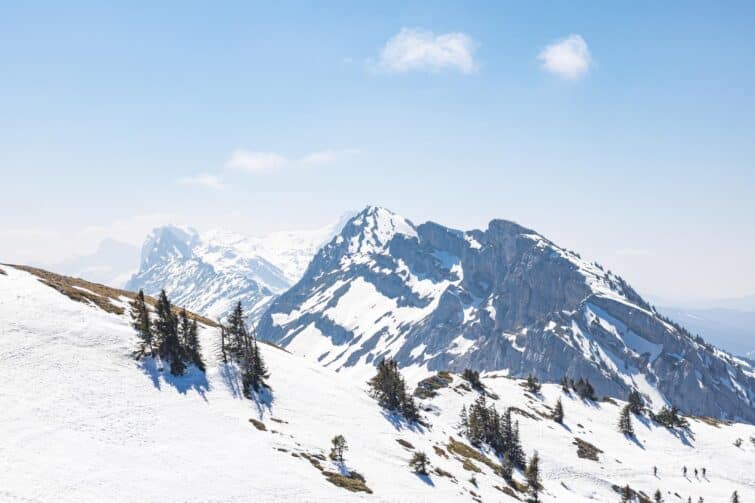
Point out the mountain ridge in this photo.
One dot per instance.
(505, 298)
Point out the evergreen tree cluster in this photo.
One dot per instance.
(239, 346)
(389, 387)
(533, 385)
(582, 388)
(484, 425)
(473, 377)
(171, 337)
(670, 418)
(636, 402)
(625, 421)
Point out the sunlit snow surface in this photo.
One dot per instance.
(82, 421)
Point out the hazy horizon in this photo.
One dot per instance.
(620, 132)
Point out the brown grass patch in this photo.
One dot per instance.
(469, 466)
(467, 452)
(3, 273)
(353, 482)
(712, 421)
(101, 296)
(258, 424)
(586, 450)
(522, 412)
(507, 491)
(440, 451)
(404, 443)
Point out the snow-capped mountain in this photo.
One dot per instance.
(209, 273)
(83, 421)
(504, 298)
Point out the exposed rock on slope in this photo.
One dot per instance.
(504, 298)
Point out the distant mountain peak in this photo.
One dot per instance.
(210, 272)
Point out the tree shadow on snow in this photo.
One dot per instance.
(425, 478)
(400, 423)
(635, 441)
(565, 427)
(231, 379)
(192, 379)
(263, 400)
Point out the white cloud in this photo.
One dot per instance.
(260, 162)
(256, 162)
(568, 58)
(418, 49)
(203, 180)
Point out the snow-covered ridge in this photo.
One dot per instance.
(505, 298)
(82, 420)
(210, 272)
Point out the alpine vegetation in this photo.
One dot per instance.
(171, 337)
(389, 388)
(238, 346)
(482, 424)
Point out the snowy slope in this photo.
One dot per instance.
(82, 421)
(209, 273)
(505, 298)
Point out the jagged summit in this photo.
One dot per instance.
(501, 299)
(166, 242)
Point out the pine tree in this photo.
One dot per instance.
(558, 412)
(473, 377)
(184, 325)
(141, 323)
(389, 388)
(533, 385)
(507, 467)
(254, 371)
(626, 494)
(236, 332)
(625, 421)
(419, 463)
(338, 448)
(636, 402)
(166, 334)
(464, 420)
(532, 474)
(515, 449)
(193, 347)
(261, 374)
(657, 498)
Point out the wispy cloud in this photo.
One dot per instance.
(568, 58)
(263, 162)
(256, 162)
(419, 49)
(633, 252)
(203, 180)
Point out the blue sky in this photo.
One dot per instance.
(631, 141)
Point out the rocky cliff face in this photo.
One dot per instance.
(504, 298)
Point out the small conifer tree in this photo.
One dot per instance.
(558, 412)
(141, 323)
(338, 448)
(532, 474)
(625, 421)
(419, 463)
